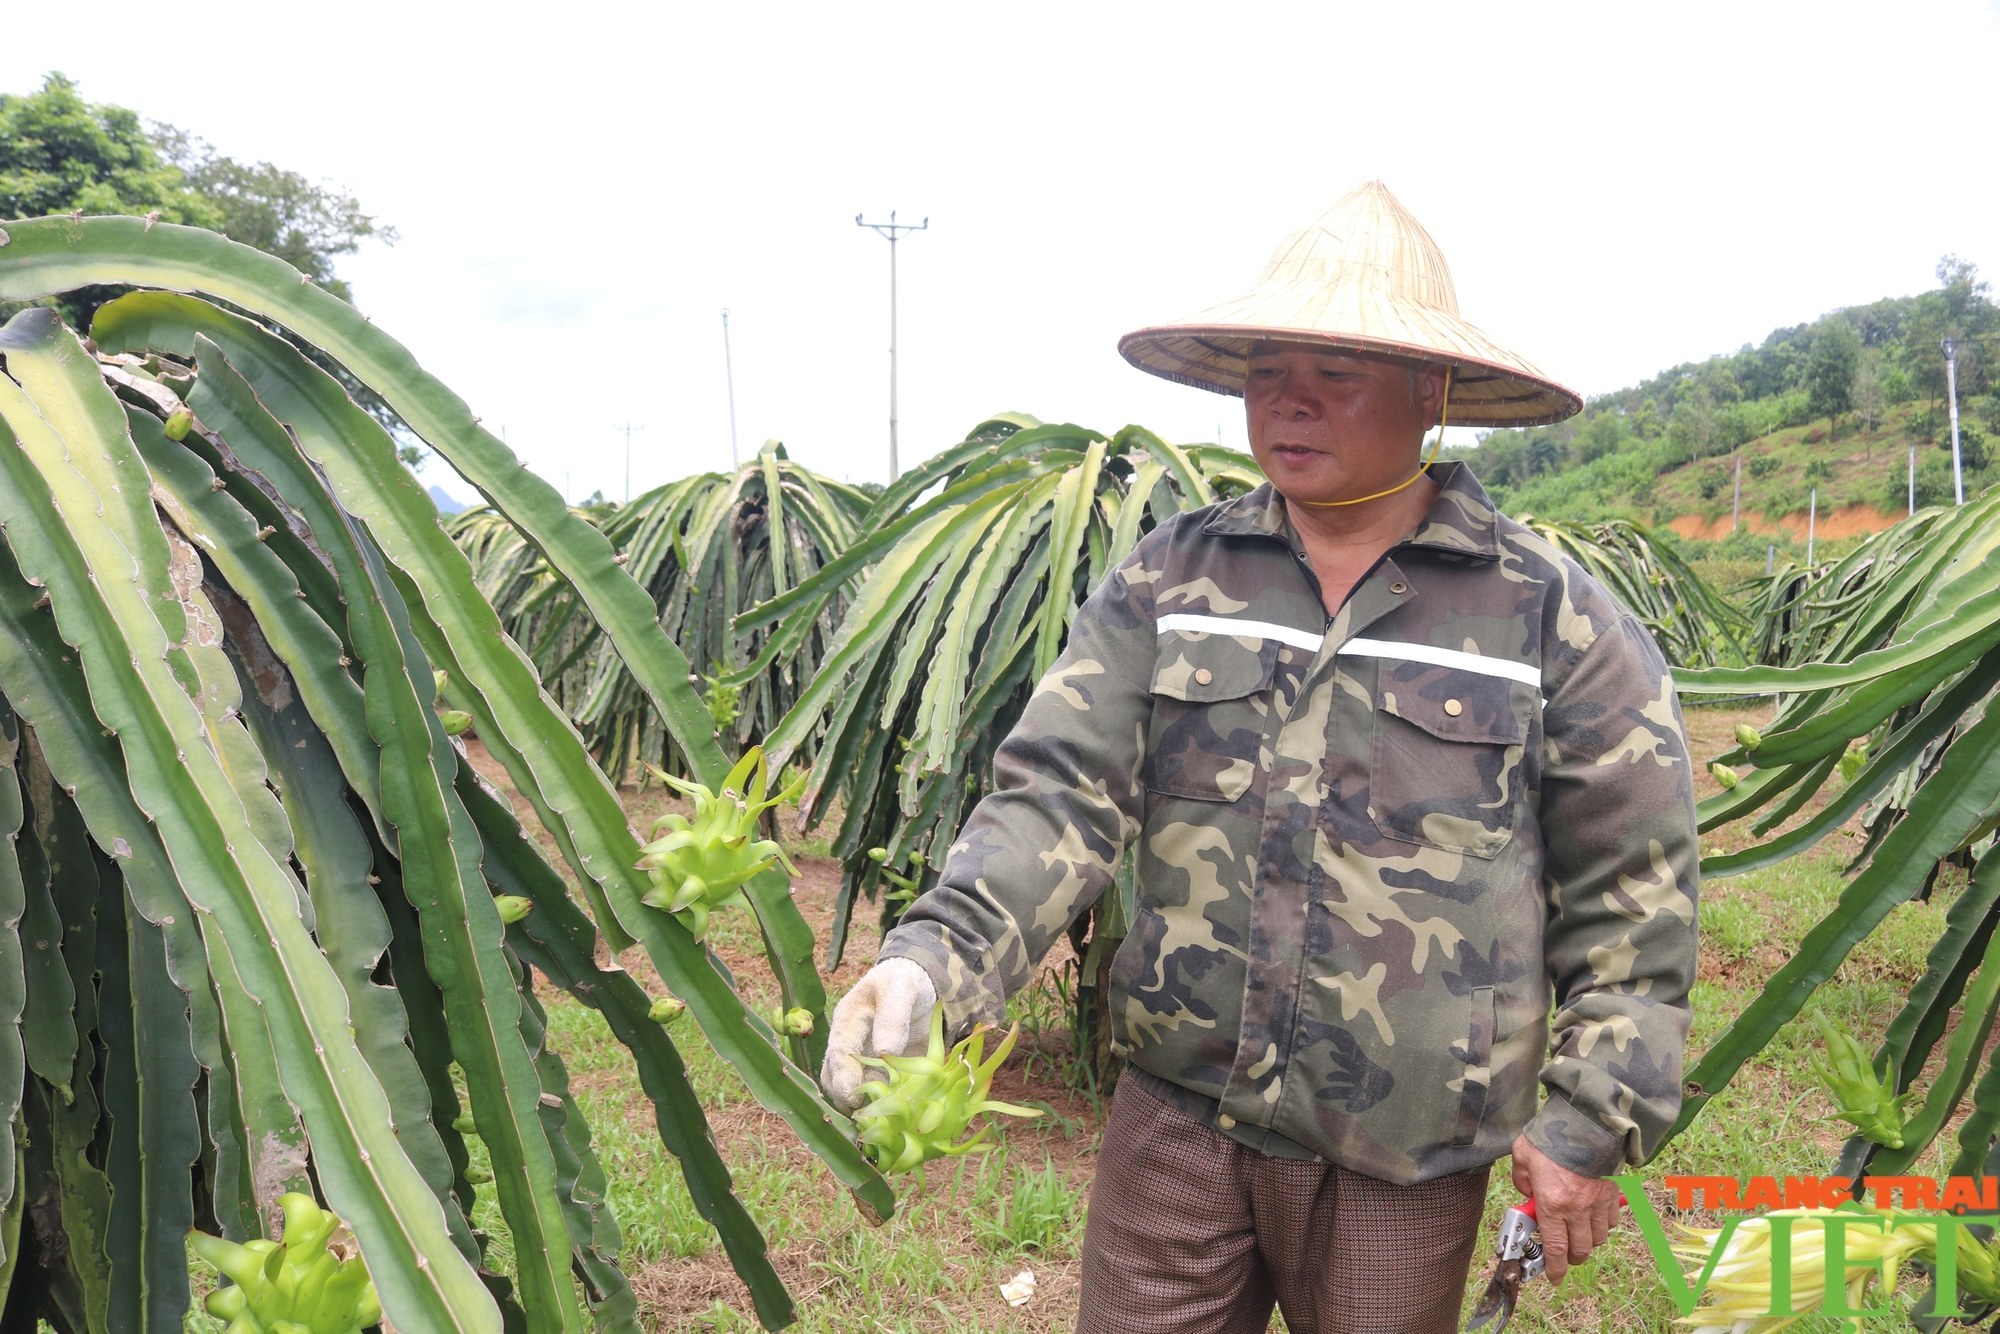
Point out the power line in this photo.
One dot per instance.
(729, 370)
(891, 230)
(628, 428)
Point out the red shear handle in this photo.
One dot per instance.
(1527, 1207)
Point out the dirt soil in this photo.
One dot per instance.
(676, 1292)
(1848, 521)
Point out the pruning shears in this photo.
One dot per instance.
(1519, 1252)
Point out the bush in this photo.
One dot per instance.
(1784, 500)
(1790, 409)
(1934, 486)
(1763, 465)
(1713, 481)
(1971, 446)
(1815, 435)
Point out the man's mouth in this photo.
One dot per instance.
(1293, 453)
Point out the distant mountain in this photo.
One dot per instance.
(445, 504)
(1821, 416)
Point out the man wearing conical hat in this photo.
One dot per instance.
(1415, 830)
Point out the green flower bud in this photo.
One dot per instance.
(1867, 1100)
(667, 1009)
(513, 907)
(1748, 737)
(455, 721)
(478, 1176)
(927, 1102)
(464, 1124)
(440, 678)
(178, 424)
(798, 1021)
(702, 864)
(1725, 775)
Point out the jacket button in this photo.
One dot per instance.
(1204, 676)
(1399, 587)
(1453, 707)
(1226, 1121)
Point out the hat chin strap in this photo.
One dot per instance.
(1443, 409)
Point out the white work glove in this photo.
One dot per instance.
(887, 1014)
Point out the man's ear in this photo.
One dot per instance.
(1430, 391)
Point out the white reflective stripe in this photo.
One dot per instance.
(1223, 625)
(1443, 657)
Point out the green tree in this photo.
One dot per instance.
(1867, 396)
(1959, 309)
(280, 212)
(61, 154)
(1691, 429)
(1544, 455)
(1836, 356)
(1601, 434)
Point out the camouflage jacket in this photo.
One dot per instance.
(1374, 849)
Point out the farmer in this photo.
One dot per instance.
(1401, 780)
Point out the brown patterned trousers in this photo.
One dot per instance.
(1190, 1231)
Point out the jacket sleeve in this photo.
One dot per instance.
(1068, 796)
(1623, 878)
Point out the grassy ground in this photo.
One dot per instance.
(939, 1265)
(1855, 467)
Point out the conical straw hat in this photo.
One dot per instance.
(1363, 277)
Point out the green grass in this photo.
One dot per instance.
(1773, 1119)
(972, 1224)
(1780, 471)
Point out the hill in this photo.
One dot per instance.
(1835, 404)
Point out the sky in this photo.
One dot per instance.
(581, 190)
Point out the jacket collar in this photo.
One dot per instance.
(1461, 520)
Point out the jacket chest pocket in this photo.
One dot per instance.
(1446, 767)
(1211, 703)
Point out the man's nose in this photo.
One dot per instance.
(1293, 403)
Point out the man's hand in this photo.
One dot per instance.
(1575, 1213)
(887, 1014)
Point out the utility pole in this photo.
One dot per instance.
(1736, 515)
(1913, 478)
(1812, 522)
(628, 428)
(729, 371)
(892, 229)
(1950, 346)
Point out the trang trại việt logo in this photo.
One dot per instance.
(1817, 1246)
